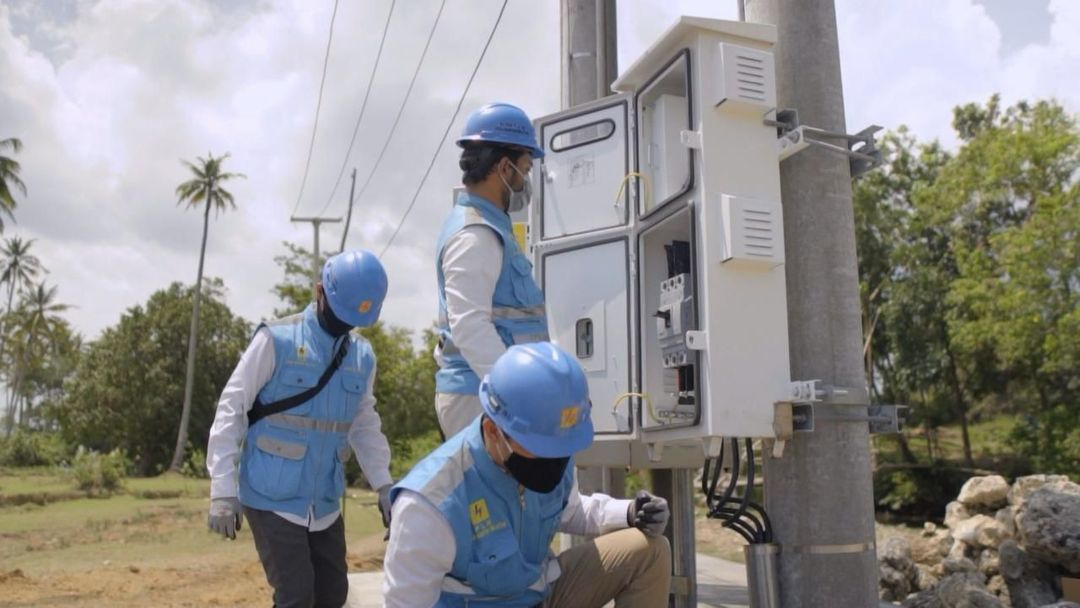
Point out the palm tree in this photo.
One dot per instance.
(202, 189)
(39, 320)
(9, 178)
(18, 270)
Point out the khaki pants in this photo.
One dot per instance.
(626, 566)
(455, 411)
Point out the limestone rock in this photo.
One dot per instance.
(989, 492)
(989, 563)
(960, 565)
(1030, 582)
(981, 531)
(955, 513)
(966, 589)
(1006, 516)
(897, 575)
(1049, 525)
(1025, 486)
(931, 549)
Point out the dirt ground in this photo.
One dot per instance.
(187, 582)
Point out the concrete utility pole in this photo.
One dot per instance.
(820, 495)
(315, 266)
(589, 65)
(589, 50)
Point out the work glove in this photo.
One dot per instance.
(225, 516)
(384, 505)
(648, 513)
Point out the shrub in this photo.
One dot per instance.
(99, 474)
(32, 449)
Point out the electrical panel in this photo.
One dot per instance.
(657, 235)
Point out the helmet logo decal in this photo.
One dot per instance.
(569, 417)
(364, 306)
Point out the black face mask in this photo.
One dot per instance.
(537, 474)
(329, 322)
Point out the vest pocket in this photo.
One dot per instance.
(354, 384)
(295, 379)
(524, 286)
(498, 567)
(276, 466)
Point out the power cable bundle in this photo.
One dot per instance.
(741, 514)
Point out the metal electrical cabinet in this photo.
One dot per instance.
(657, 236)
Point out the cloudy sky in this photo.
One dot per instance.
(109, 95)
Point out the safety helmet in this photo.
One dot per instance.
(355, 285)
(537, 394)
(501, 123)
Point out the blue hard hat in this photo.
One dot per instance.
(537, 394)
(501, 123)
(355, 284)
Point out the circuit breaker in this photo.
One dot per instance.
(657, 236)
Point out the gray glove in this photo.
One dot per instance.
(384, 504)
(648, 513)
(225, 516)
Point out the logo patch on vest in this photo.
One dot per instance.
(569, 417)
(478, 512)
(301, 352)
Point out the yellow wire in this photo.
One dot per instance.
(645, 184)
(643, 397)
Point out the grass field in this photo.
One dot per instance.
(146, 546)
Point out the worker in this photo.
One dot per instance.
(473, 522)
(299, 403)
(488, 299)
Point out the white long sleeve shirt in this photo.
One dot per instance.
(254, 370)
(422, 546)
(471, 263)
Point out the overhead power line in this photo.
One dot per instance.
(363, 105)
(318, 108)
(401, 109)
(449, 125)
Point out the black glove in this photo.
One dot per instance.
(648, 513)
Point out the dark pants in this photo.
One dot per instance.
(306, 569)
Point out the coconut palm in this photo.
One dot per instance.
(18, 269)
(9, 179)
(37, 322)
(204, 189)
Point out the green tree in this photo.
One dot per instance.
(19, 270)
(37, 325)
(1013, 204)
(9, 179)
(124, 391)
(205, 189)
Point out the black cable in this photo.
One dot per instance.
(363, 104)
(749, 474)
(742, 514)
(450, 124)
(318, 108)
(401, 109)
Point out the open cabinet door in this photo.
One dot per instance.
(581, 251)
(586, 158)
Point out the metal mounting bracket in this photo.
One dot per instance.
(883, 419)
(793, 137)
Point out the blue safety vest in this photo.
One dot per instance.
(296, 459)
(517, 307)
(502, 532)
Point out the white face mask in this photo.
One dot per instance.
(518, 198)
